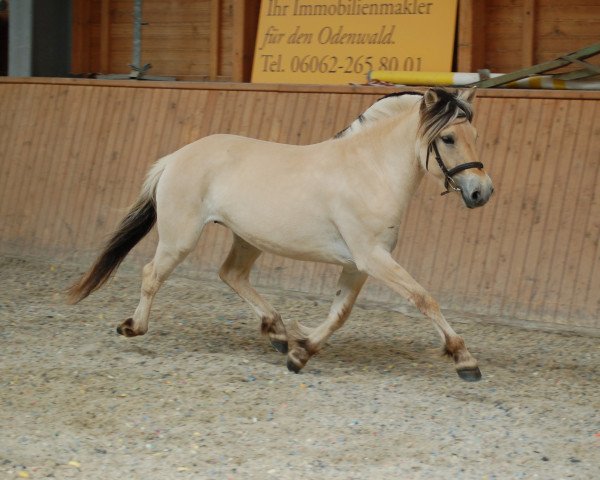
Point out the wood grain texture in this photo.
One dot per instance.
(75, 154)
(175, 37)
(470, 51)
(520, 33)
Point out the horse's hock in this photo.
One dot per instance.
(75, 153)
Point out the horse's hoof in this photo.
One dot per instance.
(125, 331)
(469, 374)
(125, 328)
(292, 367)
(280, 345)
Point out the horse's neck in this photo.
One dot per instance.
(393, 143)
(389, 128)
(387, 157)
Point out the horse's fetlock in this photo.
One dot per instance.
(297, 357)
(129, 329)
(306, 346)
(265, 325)
(272, 326)
(454, 344)
(455, 348)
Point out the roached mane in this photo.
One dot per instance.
(448, 107)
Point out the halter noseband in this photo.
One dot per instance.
(449, 182)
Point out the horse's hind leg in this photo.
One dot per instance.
(173, 246)
(235, 272)
(303, 346)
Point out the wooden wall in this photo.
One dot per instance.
(214, 39)
(187, 39)
(506, 35)
(74, 154)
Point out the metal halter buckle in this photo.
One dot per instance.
(453, 186)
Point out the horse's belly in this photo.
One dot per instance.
(324, 245)
(332, 253)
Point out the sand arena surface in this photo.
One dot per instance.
(204, 396)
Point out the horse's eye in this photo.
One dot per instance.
(448, 139)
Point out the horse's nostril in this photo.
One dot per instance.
(476, 195)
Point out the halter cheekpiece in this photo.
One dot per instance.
(449, 182)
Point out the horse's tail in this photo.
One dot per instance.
(133, 227)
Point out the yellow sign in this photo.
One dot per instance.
(340, 41)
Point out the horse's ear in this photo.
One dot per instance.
(430, 97)
(468, 94)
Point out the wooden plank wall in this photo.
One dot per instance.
(214, 39)
(179, 38)
(74, 154)
(186, 39)
(520, 33)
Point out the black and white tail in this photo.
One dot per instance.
(133, 227)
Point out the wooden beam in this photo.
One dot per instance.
(105, 36)
(215, 39)
(471, 36)
(250, 28)
(239, 40)
(80, 51)
(528, 34)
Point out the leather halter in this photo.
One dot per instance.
(449, 182)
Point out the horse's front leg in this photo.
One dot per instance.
(380, 264)
(305, 343)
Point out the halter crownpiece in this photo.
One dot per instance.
(449, 182)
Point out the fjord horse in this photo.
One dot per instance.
(339, 201)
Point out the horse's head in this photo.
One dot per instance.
(449, 140)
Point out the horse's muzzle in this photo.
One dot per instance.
(475, 193)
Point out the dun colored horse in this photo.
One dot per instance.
(339, 201)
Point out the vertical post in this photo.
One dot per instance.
(239, 40)
(215, 39)
(471, 35)
(528, 34)
(105, 36)
(20, 39)
(80, 50)
(136, 61)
